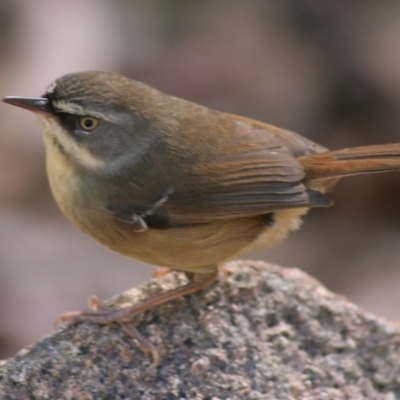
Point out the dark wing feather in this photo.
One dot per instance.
(257, 175)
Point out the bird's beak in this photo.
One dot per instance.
(35, 104)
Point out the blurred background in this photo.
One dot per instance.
(328, 70)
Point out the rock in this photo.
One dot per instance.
(260, 332)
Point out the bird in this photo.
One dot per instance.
(175, 184)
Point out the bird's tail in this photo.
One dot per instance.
(352, 161)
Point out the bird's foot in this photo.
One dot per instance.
(160, 272)
(98, 313)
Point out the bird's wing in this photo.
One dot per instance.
(255, 174)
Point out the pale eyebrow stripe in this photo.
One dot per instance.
(77, 109)
(70, 108)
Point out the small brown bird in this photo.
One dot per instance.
(175, 184)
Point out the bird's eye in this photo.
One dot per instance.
(88, 123)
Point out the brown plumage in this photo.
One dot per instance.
(172, 183)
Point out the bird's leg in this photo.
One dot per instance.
(105, 316)
(102, 315)
(145, 345)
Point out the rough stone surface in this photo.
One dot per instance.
(261, 332)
